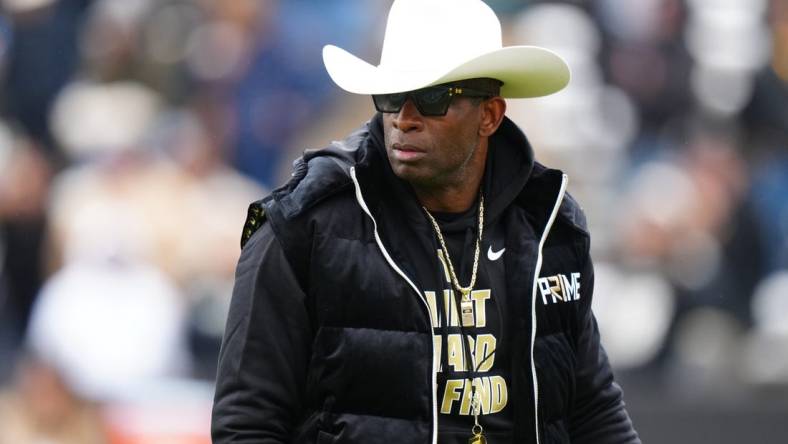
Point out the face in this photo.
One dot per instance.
(434, 151)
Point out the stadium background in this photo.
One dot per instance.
(133, 133)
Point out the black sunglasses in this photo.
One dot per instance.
(430, 101)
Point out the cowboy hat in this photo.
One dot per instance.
(429, 42)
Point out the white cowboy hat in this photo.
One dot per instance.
(429, 42)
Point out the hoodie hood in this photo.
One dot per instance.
(509, 165)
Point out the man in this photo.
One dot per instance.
(423, 280)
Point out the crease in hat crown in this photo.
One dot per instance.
(428, 42)
(441, 34)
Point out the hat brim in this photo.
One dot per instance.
(526, 71)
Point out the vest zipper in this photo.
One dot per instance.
(363, 204)
(553, 214)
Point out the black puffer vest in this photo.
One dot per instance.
(371, 378)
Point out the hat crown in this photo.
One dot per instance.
(426, 35)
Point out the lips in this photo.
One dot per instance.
(405, 153)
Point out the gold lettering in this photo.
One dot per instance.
(454, 352)
(467, 397)
(485, 352)
(452, 319)
(479, 297)
(451, 394)
(492, 392)
(433, 306)
(438, 342)
(483, 388)
(500, 394)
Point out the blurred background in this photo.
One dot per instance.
(134, 133)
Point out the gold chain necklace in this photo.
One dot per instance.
(464, 291)
(466, 306)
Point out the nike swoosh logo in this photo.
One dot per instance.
(494, 255)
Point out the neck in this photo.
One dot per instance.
(451, 199)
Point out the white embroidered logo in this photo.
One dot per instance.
(559, 288)
(494, 255)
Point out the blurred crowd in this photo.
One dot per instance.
(134, 133)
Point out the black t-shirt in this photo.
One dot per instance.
(485, 341)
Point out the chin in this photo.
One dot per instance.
(405, 172)
(418, 174)
(418, 179)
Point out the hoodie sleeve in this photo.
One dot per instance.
(266, 347)
(599, 415)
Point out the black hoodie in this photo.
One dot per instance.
(479, 352)
(330, 335)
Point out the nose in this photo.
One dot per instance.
(408, 118)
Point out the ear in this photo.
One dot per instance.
(492, 115)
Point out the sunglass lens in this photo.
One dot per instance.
(389, 103)
(433, 101)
